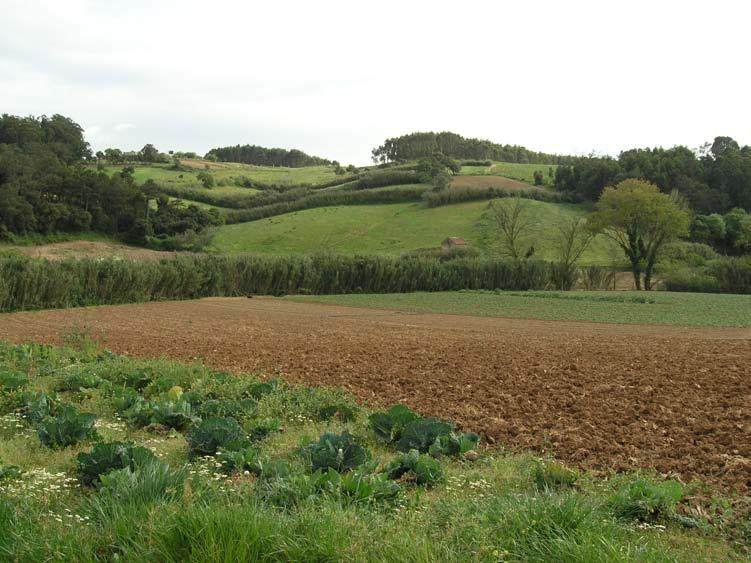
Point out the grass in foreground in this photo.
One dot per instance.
(391, 229)
(259, 499)
(629, 307)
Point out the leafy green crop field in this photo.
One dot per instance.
(395, 228)
(629, 307)
(517, 171)
(108, 458)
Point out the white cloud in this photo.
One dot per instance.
(336, 78)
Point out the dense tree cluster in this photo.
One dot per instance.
(148, 153)
(421, 145)
(44, 188)
(262, 156)
(729, 233)
(716, 179)
(171, 217)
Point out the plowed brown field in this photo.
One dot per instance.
(605, 397)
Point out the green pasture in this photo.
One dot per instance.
(628, 307)
(391, 229)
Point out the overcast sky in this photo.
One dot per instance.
(336, 78)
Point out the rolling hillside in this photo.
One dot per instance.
(393, 229)
(163, 174)
(383, 229)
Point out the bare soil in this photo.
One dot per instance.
(605, 397)
(87, 249)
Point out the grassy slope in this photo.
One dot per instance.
(392, 229)
(684, 309)
(176, 179)
(489, 510)
(161, 173)
(522, 172)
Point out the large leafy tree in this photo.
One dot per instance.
(640, 219)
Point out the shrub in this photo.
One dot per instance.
(693, 254)
(454, 444)
(726, 275)
(381, 178)
(139, 378)
(8, 472)
(276, 469)
(259, 428)
(243, 459)
(441, 181)
(389, 425)
(11, 380)
(160, 384)
(422, 433)
(476, 162)
(552, 475)
(107, 457)
(409, 431)
(172, 414)
(206, 179)
(233, 408)
(733, 275)
(78, 381)
(341, 411)
(341, 452)
(258, 390)
(646, 501)
(423, 469)
(147, 482)
(693, 280)
(285, 492)
(596, 277)
(474, 193)
(212, 434)
(38, 406)
(355, 487)
(443, 254)
(68, 428)
(125, 399)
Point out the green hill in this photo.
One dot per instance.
(513, 170)
(227, 172)
(393, 229)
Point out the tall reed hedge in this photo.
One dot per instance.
(458, 195)
(399, 194)
(27, 283)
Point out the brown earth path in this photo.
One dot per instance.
(606, 397)
(87, 249)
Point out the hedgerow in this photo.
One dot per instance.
(36, 283)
